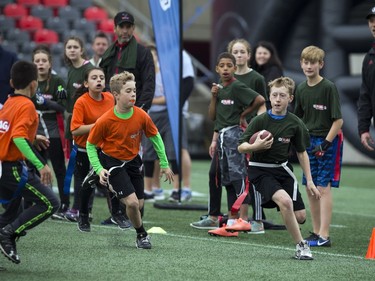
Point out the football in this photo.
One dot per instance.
(263, 135)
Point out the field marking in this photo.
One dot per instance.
(209, 239)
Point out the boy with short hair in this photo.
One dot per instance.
(118, 134)
(318, 105)
(18, 128)
(269, 170)
(231, 103)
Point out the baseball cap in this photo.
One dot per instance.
(371, 12)
(122, 17)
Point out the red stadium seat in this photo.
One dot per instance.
(30, 23)
(55, 3)
(95, 14)
(106, 26)
(28, 3)
(46, 36)
(15, 11)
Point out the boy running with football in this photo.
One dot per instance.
(269, 169)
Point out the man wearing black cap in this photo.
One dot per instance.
(125, 54)
(366, 103)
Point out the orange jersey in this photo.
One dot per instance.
(86, 111)
(18, 119)
(121, 138)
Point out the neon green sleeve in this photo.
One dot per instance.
(93, 157)
(158, 144)
(30, 153)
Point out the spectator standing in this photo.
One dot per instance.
(7, 59)
(99, 46)
(366, 103)
(318, 105)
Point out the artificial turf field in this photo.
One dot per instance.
(56, 250)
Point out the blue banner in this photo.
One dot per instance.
(166, 24)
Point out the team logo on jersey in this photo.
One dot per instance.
(135, 135)
(319, 107)
(77, 85)
(227, 102)
(165, 4)
(284, 140)
(4, 126)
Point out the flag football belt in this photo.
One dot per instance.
(285, 167)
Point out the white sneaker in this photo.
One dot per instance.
(186, 195)
(158, 194)
(256, 227)
(303, 251)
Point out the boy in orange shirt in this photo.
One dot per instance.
(118, 134)
(18, 127)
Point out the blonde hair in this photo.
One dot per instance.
(283, 82)
(312, 54)
(119, 80)
(239, 40)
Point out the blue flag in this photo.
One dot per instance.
(166, 23)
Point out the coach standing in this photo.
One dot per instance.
(366, 103)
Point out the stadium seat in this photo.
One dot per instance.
(106, 26)
(57, 50)
(74, 32)
(30, 23)
(46, 36)
(18, 36)
(81, 5)
(6, 24)
(27, 48)
(28, 3)
(95, 14)
(14, 10)
(10, 46)
(88, 27)
(69, 13)
(5, 2)
(59, 25)
(41, 12)
(55, 3)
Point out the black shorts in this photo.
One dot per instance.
(269, 180)
(127, 178)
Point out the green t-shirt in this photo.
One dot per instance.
(256, 82)
(287, 131)
(318, 106)
(230, 103)
(48, 89)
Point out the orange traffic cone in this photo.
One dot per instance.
(371, 247)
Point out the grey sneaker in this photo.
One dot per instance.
(303, 251)
(206, 223)
(256, 228)
(143, 241)
(121, 221)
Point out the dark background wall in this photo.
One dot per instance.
(338, 27)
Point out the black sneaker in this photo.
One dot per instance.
(149, 197)
(121, 221)
(313, 237)
(91, 180)
(174, 196)
(143, 241)
(8, 244)
(60, 214)
(83, 223)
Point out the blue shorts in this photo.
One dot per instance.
(326, 169)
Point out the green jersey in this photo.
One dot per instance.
(287, 131)
(230, 103)
(318, 106)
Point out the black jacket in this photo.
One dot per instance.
(366, 102)
(144, 73)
